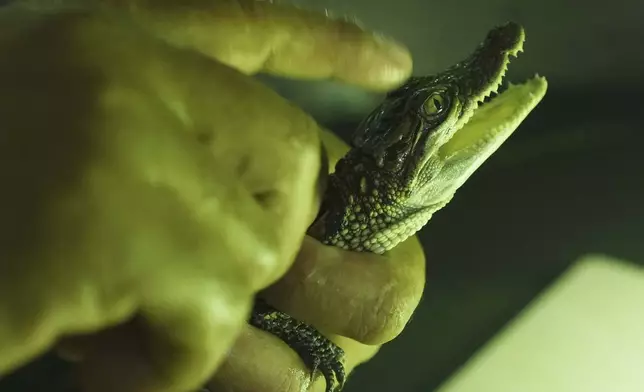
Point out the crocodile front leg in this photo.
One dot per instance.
(316, 351)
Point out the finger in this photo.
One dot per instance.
(172, 347)
(259, 36)
(364, 296)
(260, 362)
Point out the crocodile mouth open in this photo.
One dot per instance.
(496, 110)
(494, 120)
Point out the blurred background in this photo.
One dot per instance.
(570, 181)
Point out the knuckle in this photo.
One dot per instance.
(387, 316)
(378, 324)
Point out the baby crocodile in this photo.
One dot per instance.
(408, 157)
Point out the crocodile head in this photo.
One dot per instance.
(424, 141)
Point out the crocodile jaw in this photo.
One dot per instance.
(491, 124)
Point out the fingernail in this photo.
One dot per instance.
(397, 51)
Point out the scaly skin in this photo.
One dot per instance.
(408, 157)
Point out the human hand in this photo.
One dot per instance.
(358, 300)
(150, 184)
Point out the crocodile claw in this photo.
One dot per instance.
(316, 351)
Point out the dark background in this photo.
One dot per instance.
(569, 182)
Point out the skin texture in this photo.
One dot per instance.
(143, 209)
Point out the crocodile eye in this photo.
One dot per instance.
(434, 104)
